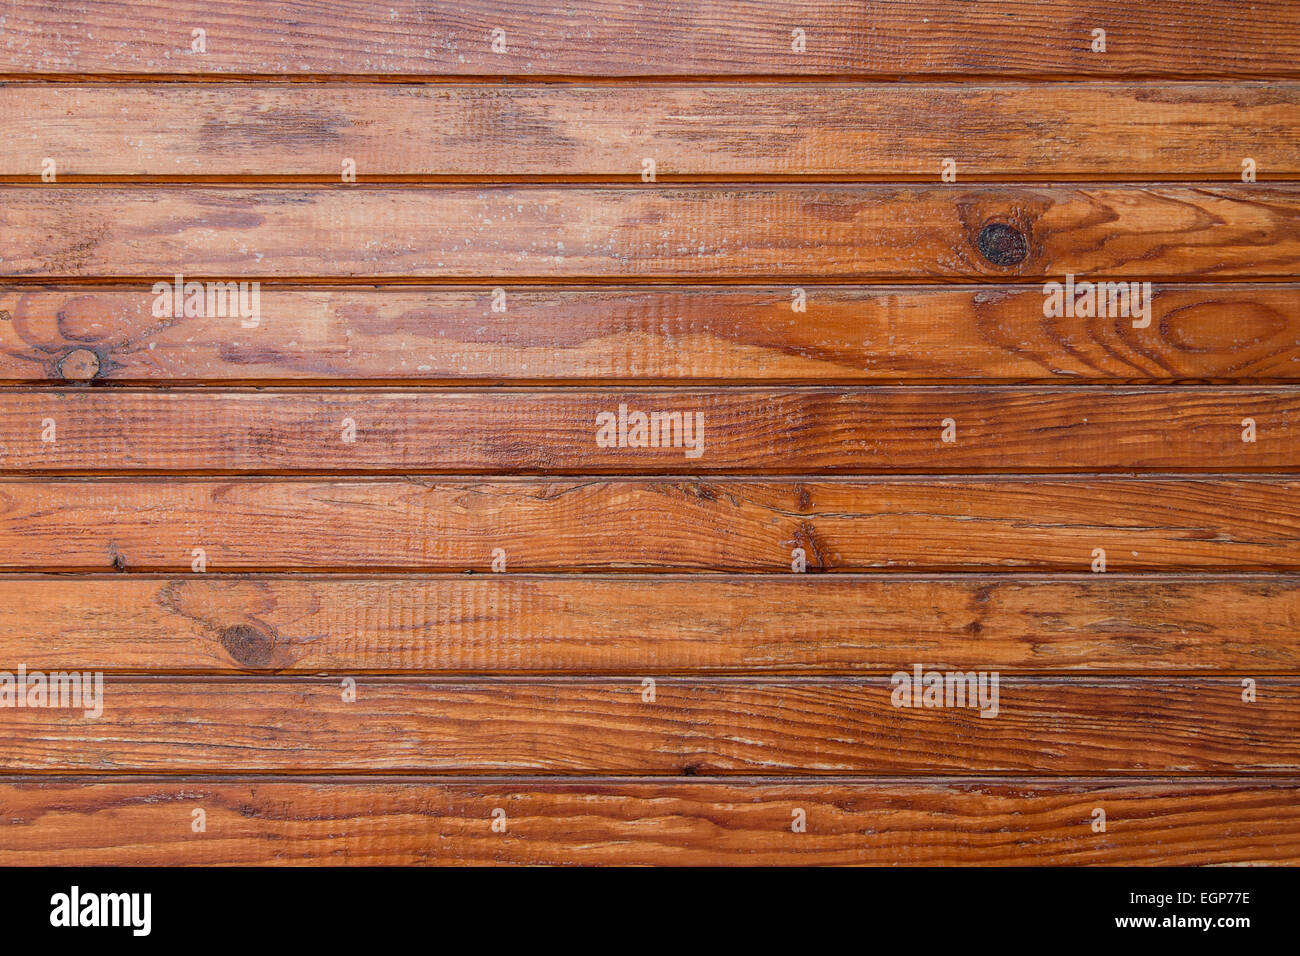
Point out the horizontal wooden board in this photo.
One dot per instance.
(619, 38)
(739, 430)
(882, 131)
(724, 524)
(661, 624)
(693, 726)
(652, 232)
(359, 569)
(678, 822)
(1248, 333)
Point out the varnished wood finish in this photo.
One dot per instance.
(599, 725)
(1246, 333)
(760, 431)
(723, 524)
(882, 131)
(930, 822)
(651, 624)
(664, 232)
(358, 574)
(615, 38)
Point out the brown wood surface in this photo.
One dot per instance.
(930, 822)
(678, 37)
(603, 725)
(1247, 333)
(182, 510)
(663, 232)
(762, 431)
(678, 524)
(882, 131)
(651, 624)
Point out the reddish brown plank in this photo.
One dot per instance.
(1238, 333)
(673, 822)
(654, 231)
(480, 131)
(661, 624)
(694, 725)
(618, 38)
(597, 431)
(724, 524)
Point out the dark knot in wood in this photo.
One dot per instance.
(249, 646)
(1002, 245)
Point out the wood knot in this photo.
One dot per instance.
(1002, 245)
(79, 365)
(249, 646)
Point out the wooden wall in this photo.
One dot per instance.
(365, 586)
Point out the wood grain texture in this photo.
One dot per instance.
(652, 624)
(1247, 333)
(679, 524)
(1191, 725)
(479, 131)
(675, 822)
(652, 231)
(949, 460)
(619, 38)
(737, 430)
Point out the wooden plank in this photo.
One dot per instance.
(1190, 725)
(661, 624)
(691, 131)
(594, 431)
(924, 417)
(677, 822)
(654, 231)
(1248, 333)
(724, 524)
(618, 38)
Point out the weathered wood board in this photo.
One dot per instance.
(617, 417)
